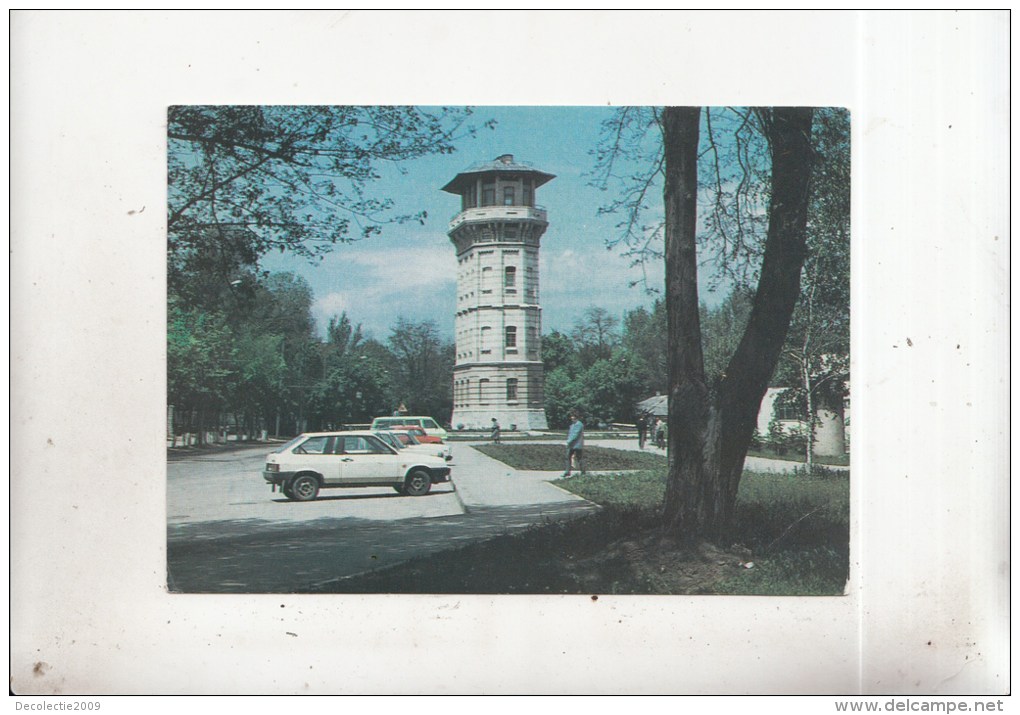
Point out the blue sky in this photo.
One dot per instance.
(409, 270)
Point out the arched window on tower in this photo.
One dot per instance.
(510, 277)
(511, 336)
(511, 389)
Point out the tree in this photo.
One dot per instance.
(423, 365)
(557, 351)
(201, 372)
(711, 425)
(721, 330)
(713, 418)
(246, 180)
(595, 335)
(608, 390)
(644, 337)
(817, 354)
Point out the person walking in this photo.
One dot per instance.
(575, 443)
(660, 434)
(642, 429)
(495, 431)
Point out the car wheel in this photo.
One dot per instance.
(418, 483)
(304, 488)
(285, 488)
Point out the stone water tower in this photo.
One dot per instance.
(498, 326)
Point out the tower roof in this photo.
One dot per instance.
(504, 164)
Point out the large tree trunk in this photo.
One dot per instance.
(710, 429)
(687, 504)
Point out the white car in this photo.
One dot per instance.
(401, 439)
(324, 460)
(428, 424)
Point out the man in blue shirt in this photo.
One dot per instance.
(575, 443)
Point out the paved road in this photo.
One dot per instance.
(228, 533)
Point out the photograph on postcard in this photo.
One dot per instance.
(508, 349)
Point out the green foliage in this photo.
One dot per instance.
(721, 331)
(355, 390)
(247, 180)
(644, 337)
(595, 335)
(596, 371)
(422, 366)
(558, 351)
(200, 358)
(561, 396)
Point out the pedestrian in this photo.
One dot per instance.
(642, 429)
(660, 434)
(495, 431)
(575, 443)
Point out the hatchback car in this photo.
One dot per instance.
(324, 460)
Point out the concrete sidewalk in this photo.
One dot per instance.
(483, 482)
(752, 464)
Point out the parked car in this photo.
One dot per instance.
(324, 460)
(419, 434)
(411, 439)
(428, 424)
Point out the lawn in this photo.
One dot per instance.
(791, 538)
(793, 528)
(552, 457)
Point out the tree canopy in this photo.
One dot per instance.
(247, 180)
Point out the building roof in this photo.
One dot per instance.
(502, 164)
(658, 405)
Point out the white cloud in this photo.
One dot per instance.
(327, 306)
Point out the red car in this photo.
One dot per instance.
(418, 432)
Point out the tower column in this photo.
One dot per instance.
(498, 324)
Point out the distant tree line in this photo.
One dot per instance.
(250, 360)
(604, 366)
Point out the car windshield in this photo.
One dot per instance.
(391, 440)
(287, 445)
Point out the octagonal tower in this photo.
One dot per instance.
(498, 326)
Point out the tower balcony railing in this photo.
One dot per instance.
(499, 213)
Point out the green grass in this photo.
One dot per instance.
(793, 528)
(796, 527)
(637, 490)
(842, 460)
(552, 457)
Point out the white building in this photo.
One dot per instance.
(498, 326)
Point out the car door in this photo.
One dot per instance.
(366, 460)
(316, 454)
